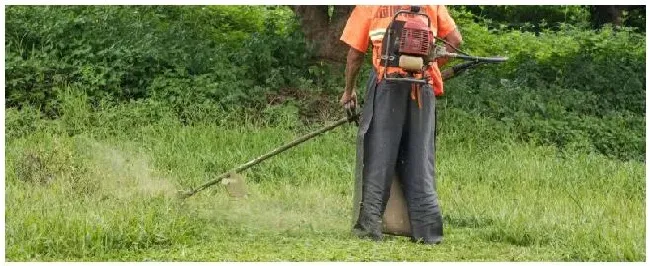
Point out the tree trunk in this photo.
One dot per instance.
(601, 15)
(323, 31)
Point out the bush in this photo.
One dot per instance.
(130, 53)
(528, 17)
(570, 87)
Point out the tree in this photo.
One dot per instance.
(322, 26)
(601, 15)
(619, 15)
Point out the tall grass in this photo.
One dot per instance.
(100, 186)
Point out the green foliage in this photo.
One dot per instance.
(536, 18)
(20, 123)
(529, 17)
(227, 54)
(97, 183)
(573, 88)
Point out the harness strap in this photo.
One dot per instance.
(415, 94)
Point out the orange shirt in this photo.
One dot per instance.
(367, 24)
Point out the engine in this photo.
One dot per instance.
(408, 43)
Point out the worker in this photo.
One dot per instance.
(396, 132)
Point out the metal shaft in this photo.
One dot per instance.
(270, 154)
(441, 53)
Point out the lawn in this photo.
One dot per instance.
(108, 193)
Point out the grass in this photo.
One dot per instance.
(105, 192)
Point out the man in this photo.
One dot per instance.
(396, 134)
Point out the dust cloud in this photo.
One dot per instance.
(125, 174)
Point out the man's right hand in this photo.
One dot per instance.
(349, 99)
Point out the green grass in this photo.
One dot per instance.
(106, 192)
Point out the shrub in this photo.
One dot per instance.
(570, 87)
(123, 53)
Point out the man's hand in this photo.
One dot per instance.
(349, 99)
(454, 38)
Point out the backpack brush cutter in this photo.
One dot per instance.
(234, 182)
(410, 45)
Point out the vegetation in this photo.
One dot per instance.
(111, 110)
(535, 17)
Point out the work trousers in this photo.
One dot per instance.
(396, 138)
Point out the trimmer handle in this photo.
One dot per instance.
(352, 114)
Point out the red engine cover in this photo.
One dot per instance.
(416, 38)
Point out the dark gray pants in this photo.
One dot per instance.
(396, 137)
